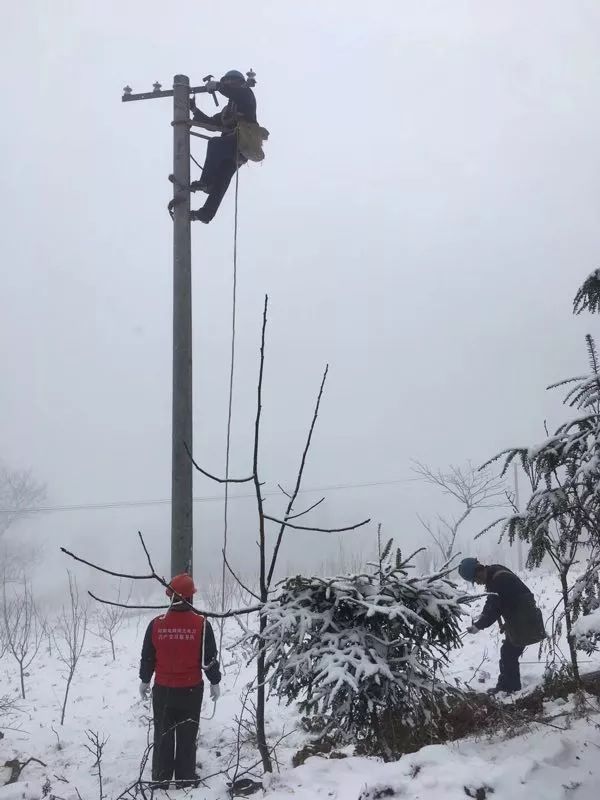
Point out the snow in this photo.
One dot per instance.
(588, 625)
(542, 762)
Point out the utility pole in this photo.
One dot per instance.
(182, 534)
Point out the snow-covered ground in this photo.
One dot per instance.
(546, 762)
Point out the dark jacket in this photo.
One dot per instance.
(181, 634)
(510, 597)
(242, 104)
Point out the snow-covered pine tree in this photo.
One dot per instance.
(562, 517)
(351, 648)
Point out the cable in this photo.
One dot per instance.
(231, 377)
(203, 499)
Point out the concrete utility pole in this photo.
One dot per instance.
(182, 535)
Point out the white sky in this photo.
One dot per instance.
(428, 206)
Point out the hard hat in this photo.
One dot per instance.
(233, 75)
(467, 569)
(182, 585)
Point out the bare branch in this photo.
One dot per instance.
(214, 477)
(20, 494)
(285, 524)
(244, 587)
(306, 511)
(150, 564)
(107, 571)
(299, 476)
(259, 499)
(217, 615)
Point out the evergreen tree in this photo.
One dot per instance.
(562, 517)
(350, 648)
(588, 296)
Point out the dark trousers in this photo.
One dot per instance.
(176, 718)
(509, 679)
(219, 168)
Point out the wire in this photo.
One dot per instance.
(231, 378)
(202, 499)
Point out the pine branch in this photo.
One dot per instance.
(588, 295)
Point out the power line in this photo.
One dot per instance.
(202, 499)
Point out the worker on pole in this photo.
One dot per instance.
(241, 140)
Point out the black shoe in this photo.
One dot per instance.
(199, 216)
(200, 186)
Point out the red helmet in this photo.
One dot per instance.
(182, 585)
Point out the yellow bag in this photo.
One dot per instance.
(250, 140)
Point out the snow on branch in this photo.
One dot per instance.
(349, 647)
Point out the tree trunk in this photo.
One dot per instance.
(569, 625)
(261, 676)
(64, 708)
(22, 676)
(112, 647)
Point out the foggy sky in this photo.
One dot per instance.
(426, 211)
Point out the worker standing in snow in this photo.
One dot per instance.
(177, 646)
(241, 140)
(511, 601)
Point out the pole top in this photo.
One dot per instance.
(181, 79)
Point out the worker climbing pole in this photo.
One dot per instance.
(241, 140)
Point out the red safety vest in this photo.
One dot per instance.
(177, 640)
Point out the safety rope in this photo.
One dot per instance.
(196, 163)
(231, 379)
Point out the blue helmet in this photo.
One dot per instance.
(233, 75)
(467, 569)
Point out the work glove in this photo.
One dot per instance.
(211, 86)
(144, 689)
(215, 692)
(473, 629)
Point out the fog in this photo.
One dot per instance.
(426, 211)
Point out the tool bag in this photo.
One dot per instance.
(250, 140)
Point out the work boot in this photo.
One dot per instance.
(200, 216)
(200, 186)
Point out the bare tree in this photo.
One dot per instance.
(20, 494)
(23, 628)
(267, 560)
(9, 708)
(96, 748)
(474, 489)
(108, 620)
(69, 636)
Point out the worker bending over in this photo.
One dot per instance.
(509, 600)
